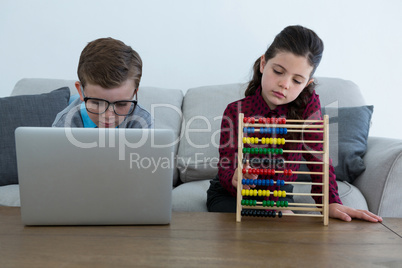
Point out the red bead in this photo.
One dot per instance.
(267, 120)
(272, 120)
(260, 120)
(265, 171)
(273, 172)
(285, 172)
(245, 120)
(252, 120)
(244, 171)
(283, 120)
(290, 172)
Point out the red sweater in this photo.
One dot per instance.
(255, 106)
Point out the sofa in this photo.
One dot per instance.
(368, 169)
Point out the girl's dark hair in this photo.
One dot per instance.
(301, 42)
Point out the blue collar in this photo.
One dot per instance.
(88, 123)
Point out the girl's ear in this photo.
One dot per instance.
(309, 82)
(262, 63)
(80, 90)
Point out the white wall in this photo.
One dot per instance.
(187, 43)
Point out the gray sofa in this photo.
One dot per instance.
(371, 174)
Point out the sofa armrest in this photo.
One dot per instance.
(381, 182)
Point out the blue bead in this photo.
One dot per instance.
(263, 182)
(271, 182)
(243, 181)
(281, 131)
(255, 182)
(245, 130)
(248, 182)
(269, 130)
(259, 182)
(285, 131)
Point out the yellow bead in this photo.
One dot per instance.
(244, 140)
(275, 193)
(275, 140)
(247, 192)
(264, 192)
(268, 193)
(248, 140)
(283, 193)
(271, 140)
(255, 192)
(283, 141)
(263, 140)
(243, 192)
(279, 193)
(279, 141)
(256, 140)
(259, 192)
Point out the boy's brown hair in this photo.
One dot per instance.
(108, 62)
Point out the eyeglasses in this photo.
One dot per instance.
(99, 106)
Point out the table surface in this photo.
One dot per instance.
(203, 239)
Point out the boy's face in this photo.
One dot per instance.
(108, 119)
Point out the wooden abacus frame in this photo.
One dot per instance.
(297, 126)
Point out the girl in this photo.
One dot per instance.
(281, 86)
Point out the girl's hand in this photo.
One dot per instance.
(246, 176)
(347, 213)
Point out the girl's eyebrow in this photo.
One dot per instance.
(278, 65)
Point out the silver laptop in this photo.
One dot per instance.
(78, 176)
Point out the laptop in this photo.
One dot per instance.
(82, 176)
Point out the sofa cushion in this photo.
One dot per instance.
(349, 195)
(25, 110)
(203, 108)
(165, 107)
(348, 133)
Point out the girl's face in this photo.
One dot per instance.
(283, 78)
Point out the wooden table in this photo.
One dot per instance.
(203, 240)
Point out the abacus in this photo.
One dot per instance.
(275, 128)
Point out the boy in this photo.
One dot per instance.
(109, 75)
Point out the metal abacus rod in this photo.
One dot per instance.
(322, 128)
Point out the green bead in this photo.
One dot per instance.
(286, 203)
(243, 202)
(272, 203)
(254, 202)
(281, 151)
(264, 203)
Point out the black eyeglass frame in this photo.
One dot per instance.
(111, 103)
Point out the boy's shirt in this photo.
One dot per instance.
(76, 115)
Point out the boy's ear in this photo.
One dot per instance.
(80, 90)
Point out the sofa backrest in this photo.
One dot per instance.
(196, 118)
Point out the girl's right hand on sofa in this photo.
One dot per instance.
(246, 176)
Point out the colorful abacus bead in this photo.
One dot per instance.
(287, 172)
